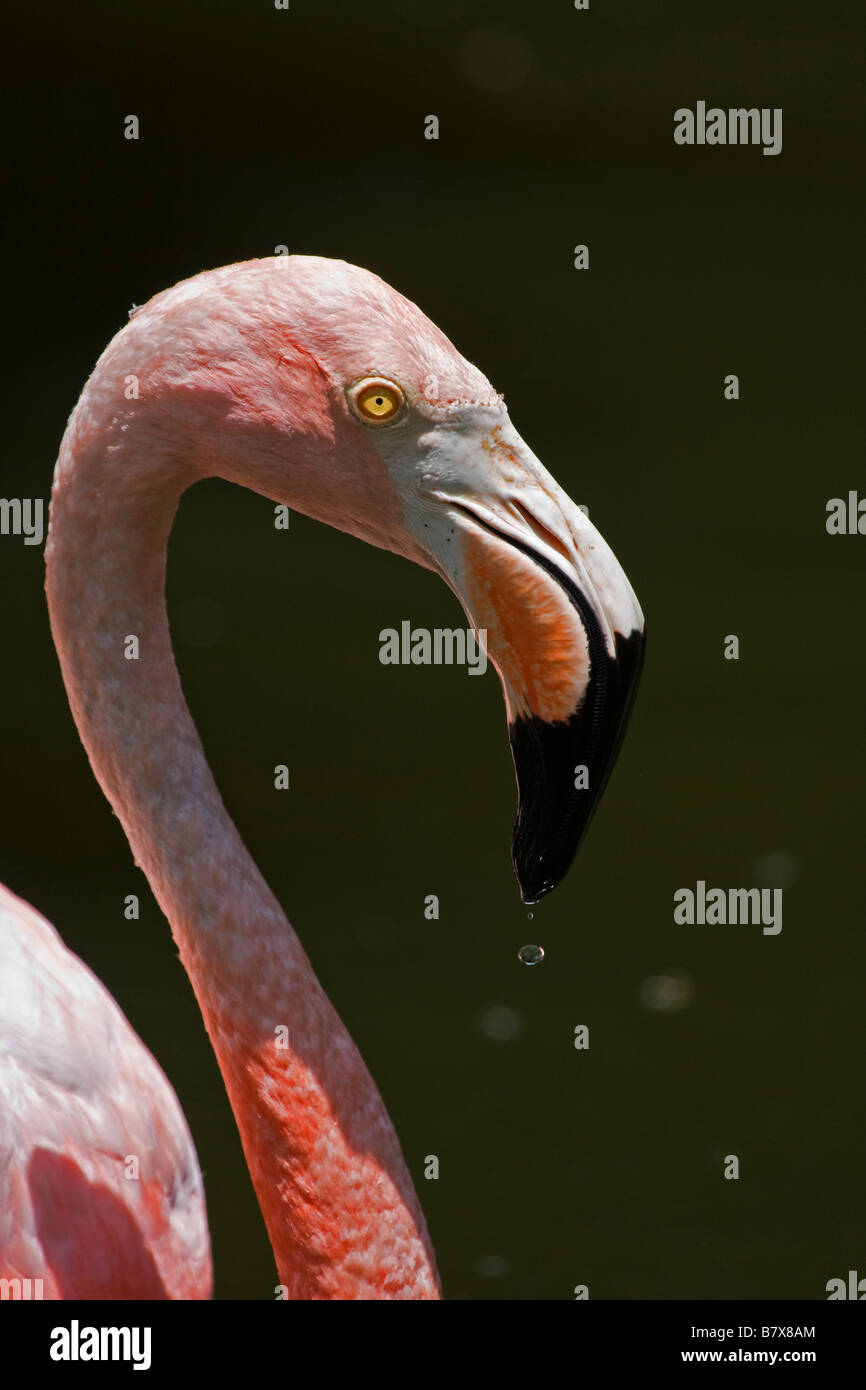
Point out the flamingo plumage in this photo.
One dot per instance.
(321, 388)
(100, 1191)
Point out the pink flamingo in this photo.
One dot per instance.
(100, 1190)
(317, 385)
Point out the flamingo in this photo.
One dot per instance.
(100, 1190)
(317, 385)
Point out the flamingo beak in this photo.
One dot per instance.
(565, 633)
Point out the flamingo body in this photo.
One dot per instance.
(101, 1196)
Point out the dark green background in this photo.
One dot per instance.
(306, 128)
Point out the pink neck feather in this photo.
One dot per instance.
(340, 1208)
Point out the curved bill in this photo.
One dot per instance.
(566, 634)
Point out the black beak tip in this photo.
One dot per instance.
(534, 883)
(531, 894)
(562, 770)
(541, 855)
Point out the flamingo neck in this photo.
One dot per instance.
(337, 1199)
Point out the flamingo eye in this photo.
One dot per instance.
(376, 401)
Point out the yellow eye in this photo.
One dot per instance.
(375, 400)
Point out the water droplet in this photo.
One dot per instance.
(531, 955)
(529, 916)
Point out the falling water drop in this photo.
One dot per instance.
(529, 916)
(531, 955)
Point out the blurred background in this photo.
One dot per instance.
(306, 128)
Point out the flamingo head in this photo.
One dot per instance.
(357, 410)
(563, 626)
